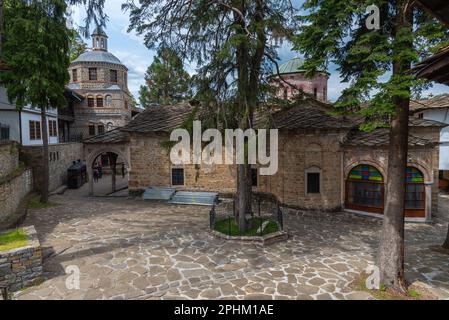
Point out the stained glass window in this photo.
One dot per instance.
(365, 173)
(413, 175)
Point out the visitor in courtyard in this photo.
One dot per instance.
(96, 174)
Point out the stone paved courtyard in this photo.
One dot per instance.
(131, 249)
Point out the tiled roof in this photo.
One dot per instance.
(417, 122)
(113, 136)
(309, 114)
(379, 137)
(160, 118)
(441, 101)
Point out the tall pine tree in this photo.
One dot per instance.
(230, 42)
(341, 32)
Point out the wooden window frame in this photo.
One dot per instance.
(313, 170)
(100, 102)
(90, 102)
(52, 128)
(89, 129)
(35, 130)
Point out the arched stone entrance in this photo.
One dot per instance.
(113, 152)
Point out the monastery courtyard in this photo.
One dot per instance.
(132, 249)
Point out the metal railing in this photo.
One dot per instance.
(266, 209)
(4, 132)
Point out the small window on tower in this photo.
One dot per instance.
(91, 129)
(93, 74)
(99, 102)
(74, 75)
(90, 102)
(113, 76)
(108, 101)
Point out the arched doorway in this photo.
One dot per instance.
(365, 189)
(415, 197)
(108, 173)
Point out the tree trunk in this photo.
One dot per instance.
(391, 250)
(244, 194)
(45, 163)
(446, 243)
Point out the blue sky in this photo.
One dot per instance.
(129, 48)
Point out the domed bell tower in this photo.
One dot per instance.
(99, 39)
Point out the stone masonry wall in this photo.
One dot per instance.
(151, 166)
(22, 267)
(298, 152)
(61, 158)
(13, 190)
(9, 157)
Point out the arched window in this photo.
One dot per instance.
(415, 196)
(108, 100)
(90, 101)
(365, 189)
(99, 101)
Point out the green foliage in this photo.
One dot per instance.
(35, 203)
(229, 227)
(13, 239)
(144, 97)
(167, 81)
(334, 31)
(76, 46)
(37, 51)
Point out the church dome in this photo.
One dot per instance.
(292, 66)
(98, 56)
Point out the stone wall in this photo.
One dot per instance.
(298, 152)
(12, 190)
(22, 267)
(151, 166)
(61, 158)
(9, 157)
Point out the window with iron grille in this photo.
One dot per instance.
(35, 130)
(99, 102)
(113, 75)
(313, 182)
(93, 74)
(74, 75)
(177, 176)
(91, 130)
(52, 130)
(90, 102)
(100, 129)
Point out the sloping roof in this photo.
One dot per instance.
(97, 56)
(441, 101)
(439, 8)
(160, 118)
(417, 122)
(435, 68)
(113, 136)
(379, 137)
(309, 115)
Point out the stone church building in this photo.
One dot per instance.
(325, 161)
(101, 80)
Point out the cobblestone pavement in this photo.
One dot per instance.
(131, 249)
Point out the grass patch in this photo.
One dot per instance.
(35, 203)
(229, 227)
(13, 239)
(388, 294)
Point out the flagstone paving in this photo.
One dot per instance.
(131, 249)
